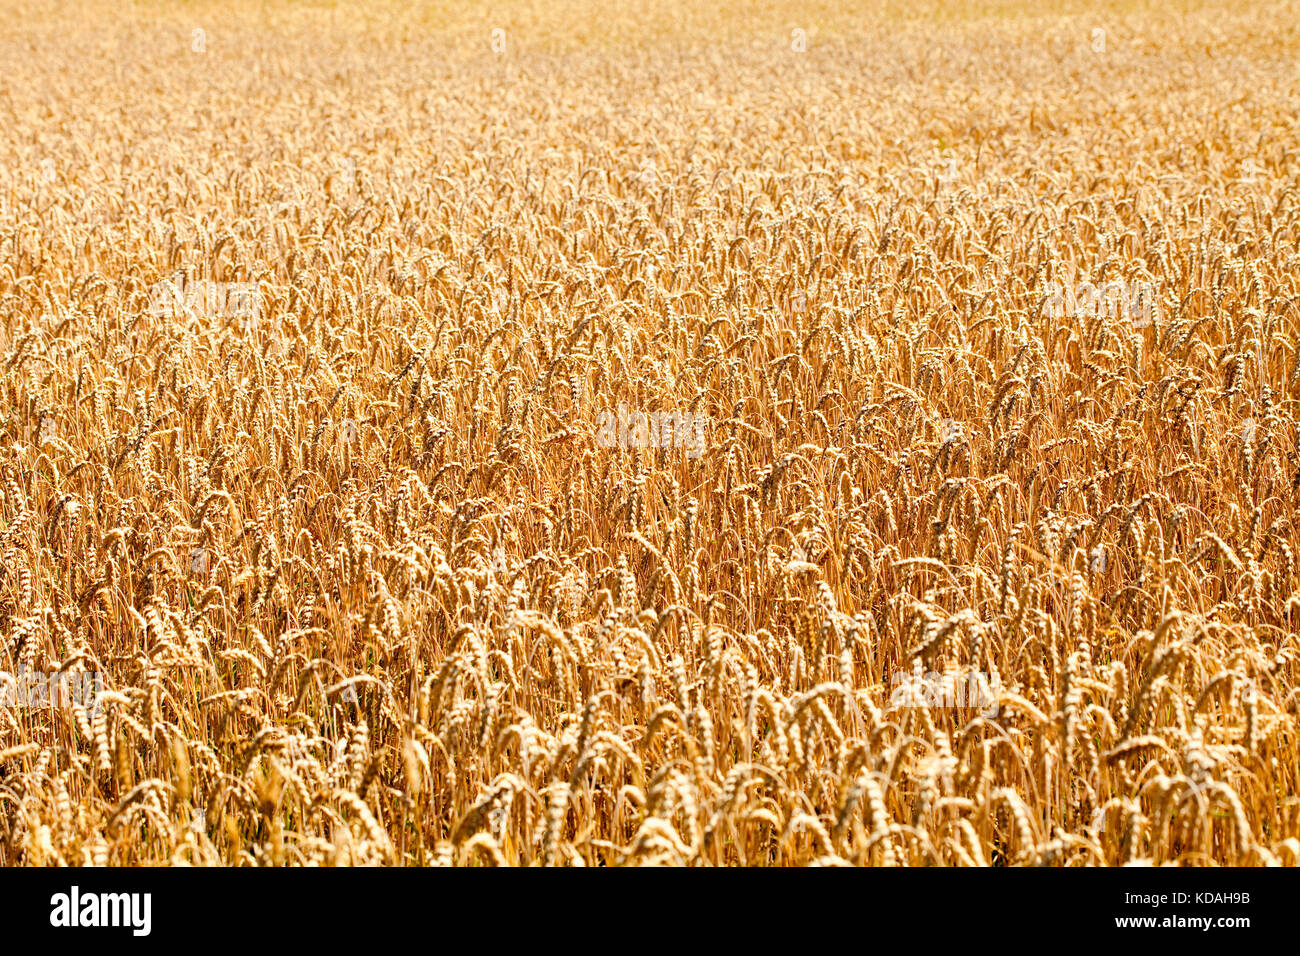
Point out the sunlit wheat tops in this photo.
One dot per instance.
(742, 435)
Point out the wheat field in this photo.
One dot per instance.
(790, 433)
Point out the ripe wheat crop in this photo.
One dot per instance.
(732, 434)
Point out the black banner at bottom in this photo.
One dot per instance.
(346, 906)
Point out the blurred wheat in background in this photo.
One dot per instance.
(561, 433)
